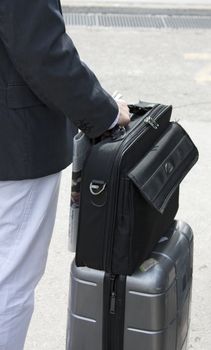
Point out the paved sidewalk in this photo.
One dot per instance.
(177, 4)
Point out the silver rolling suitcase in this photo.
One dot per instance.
(149, 310)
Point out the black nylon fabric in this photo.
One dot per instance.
(118, 228)
(98, 243)
(139, 228)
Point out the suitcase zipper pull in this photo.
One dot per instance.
(113, 302)
(151, 122)
(113, 295)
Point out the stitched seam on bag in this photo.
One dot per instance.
(142, 186)
(165, 160)
(176, 185)
(174, 171)
(131, 224)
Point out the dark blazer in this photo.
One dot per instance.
(46, 91)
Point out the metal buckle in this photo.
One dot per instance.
(96, 187)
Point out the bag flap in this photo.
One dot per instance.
(160, 172)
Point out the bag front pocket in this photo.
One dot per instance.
(160, 172)
(149, 198)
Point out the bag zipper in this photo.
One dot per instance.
(151, 122)
(144, 125)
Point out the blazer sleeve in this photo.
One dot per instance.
(33, 33)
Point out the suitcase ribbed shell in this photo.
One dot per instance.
(157, 299)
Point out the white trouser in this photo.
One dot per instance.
(27, 216)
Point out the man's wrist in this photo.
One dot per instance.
(115, 121)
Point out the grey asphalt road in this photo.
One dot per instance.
(154, 65)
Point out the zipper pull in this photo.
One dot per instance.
(151, 122)
(113, 303)
(113, 295)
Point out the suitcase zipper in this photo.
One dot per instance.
(113, 294)
(113, 314)
(145, 124)
(109, 311)
(113, 326)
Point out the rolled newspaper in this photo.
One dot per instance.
(81, 146)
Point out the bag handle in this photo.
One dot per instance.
(140, 108)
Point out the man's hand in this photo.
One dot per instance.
(124, 113)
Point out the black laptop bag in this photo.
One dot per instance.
(130, 189)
